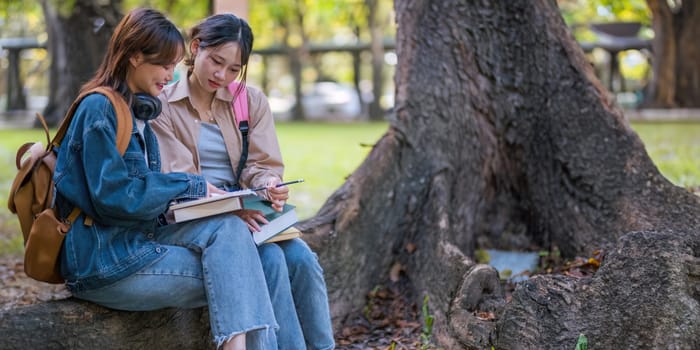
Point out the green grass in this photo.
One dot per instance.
(10, 140)
(674, 148)
(324, 154)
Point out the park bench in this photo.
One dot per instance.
(16, 98)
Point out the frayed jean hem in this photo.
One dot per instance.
(253, 341)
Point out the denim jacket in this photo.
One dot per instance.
(123, 195)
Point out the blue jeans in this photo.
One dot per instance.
(299, 296)
(211, 262)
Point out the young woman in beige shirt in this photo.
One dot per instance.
(197, 132)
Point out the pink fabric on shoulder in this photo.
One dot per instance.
(240, 101)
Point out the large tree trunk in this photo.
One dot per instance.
(676, 73)
(78, 38)
(504, 138)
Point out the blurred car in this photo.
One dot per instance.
(331, 101)
(281, 106)
(321, 101)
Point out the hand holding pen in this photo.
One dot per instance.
(277, 192)
(277, 185)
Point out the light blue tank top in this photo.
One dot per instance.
(213, 158)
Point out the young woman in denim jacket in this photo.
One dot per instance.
(127, 258)
(198, 133)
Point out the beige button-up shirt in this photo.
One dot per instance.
(177, 129)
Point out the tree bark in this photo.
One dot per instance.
(78, 38)
(675, 80)
(74, 324)
(504, 138)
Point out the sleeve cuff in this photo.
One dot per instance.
(197, 187)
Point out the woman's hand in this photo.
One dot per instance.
(252, 218)
(213, 190)
(277, 195)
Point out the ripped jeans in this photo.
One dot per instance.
(299, 298)
(210, 262)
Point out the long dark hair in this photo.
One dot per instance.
(142, 30)
(221, 29)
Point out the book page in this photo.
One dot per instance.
(200, 201)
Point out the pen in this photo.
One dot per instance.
(278, 185)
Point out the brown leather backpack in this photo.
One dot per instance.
(32, 192)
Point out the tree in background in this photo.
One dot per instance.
(290, 17)
(78, 33)
(377, 20)
(296, 25)
(81, 28)
(676, 78)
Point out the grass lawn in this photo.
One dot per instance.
(324, 154)
(674, 148)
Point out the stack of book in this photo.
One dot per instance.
(214, 205)
(280, 225)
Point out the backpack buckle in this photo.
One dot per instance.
(243, 127)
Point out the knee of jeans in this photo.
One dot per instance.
(234, 230)
(298, 253)
(303, 261)
(272, 258)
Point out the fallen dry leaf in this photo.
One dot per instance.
(485, 316)
(395, 272)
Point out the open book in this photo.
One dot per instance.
(279, 222)
(214, 205)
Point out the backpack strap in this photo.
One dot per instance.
(123, 112)
(124, 128)
(240, 111)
